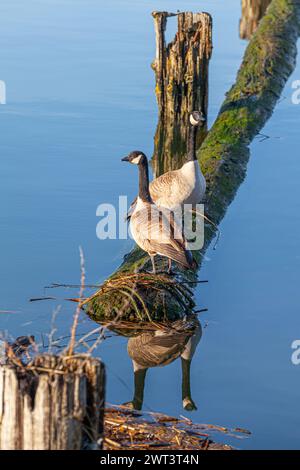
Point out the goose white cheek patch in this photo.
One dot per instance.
(193, 121)
(136, 160)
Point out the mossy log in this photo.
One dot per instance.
(181, 74)
(268, 61)
(252, 13)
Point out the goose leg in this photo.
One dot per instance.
(153, 263)
(187, 401)
(139, 385)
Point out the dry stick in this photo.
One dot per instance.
(36, 299)
(212, 223)
(201, 310)
(78, 308)
(53, 329)
(75, 286)
(87, 335)
(10, 311)
(100, 329)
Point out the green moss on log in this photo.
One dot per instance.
(268, 61)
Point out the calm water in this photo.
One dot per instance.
(79, 96)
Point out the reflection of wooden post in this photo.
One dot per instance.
(181, 72)
(252, 13)
(55, 403)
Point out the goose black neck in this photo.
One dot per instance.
(144, 193)
(191, 155)
(186, 384)
(139, 385)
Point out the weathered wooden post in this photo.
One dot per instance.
(252, 13)
(52, 403)
(181, 73)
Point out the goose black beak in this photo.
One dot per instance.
(125, 159)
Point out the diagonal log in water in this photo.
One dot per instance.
(268, 62)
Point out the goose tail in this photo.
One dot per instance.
(183, 257)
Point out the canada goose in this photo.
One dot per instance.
(161, 347)
(187, 185)
(153, 229)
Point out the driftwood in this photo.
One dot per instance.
(52, 403)
(181, 73)
(128, 430)
(269, 60)
(252, 13)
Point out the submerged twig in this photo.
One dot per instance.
(37, 299)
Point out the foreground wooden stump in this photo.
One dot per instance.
(252, 13)
(53, 403)
(181, 73)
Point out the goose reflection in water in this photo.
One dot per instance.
(159, 348)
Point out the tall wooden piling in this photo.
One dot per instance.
(181, 74)
(53, 403)
(252, 13)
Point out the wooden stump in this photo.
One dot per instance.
(54, 403)
(181, 73)
(252, 13)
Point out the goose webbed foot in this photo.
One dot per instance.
(161, 271)
(134, 405)
(128, 404)
(189, 404)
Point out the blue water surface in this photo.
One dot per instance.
(80, 95)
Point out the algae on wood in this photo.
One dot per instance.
(268, 62)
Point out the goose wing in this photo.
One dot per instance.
(166, 189)
(131, 210)
(172, 242)
(156, 231)
(151, 350)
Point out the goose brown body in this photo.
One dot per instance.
(157, 234)
(178, 187)
(161, 347)
(152, 228)
(187, 185)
